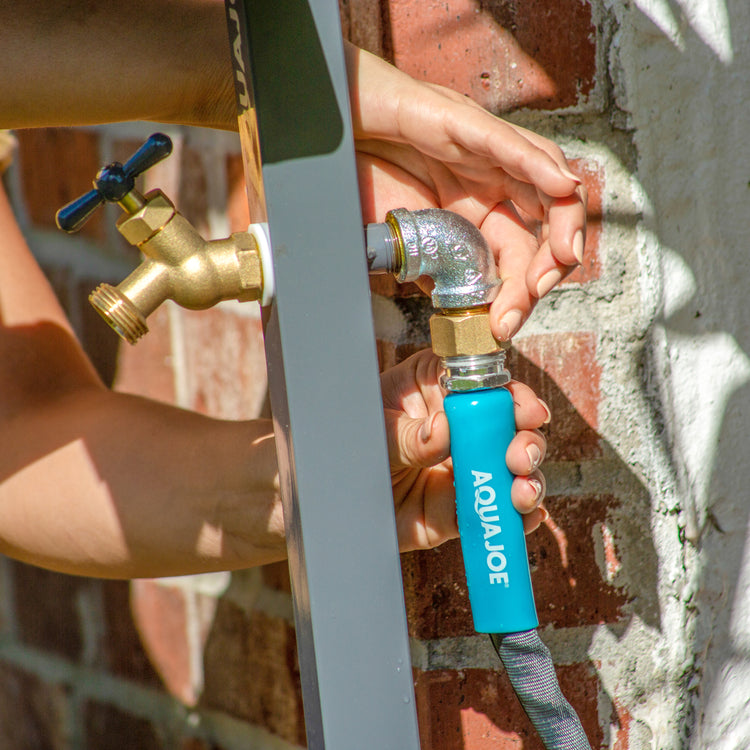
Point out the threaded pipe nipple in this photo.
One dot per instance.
(119, 312)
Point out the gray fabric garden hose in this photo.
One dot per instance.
(528, 663)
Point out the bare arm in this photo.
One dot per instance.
(67, 62)
(101, 483)
(79, 63)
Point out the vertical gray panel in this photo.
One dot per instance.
(343, 556)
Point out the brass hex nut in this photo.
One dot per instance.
(462, 335)
(250, 269)
(138, 227)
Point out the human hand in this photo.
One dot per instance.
(419, 450)
(421, 146)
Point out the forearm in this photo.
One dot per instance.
(105, 484)
(67, 63)
(101, 483)
(72, 63)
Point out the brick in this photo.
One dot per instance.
(192, 200)
(146, 369)
(161, 618)
(193, 743)
(569, 587)
(110, 728)
(592, 175)
(47, 610)
(32, 713)
(225, 361)
(437, 601)
(539, 54)
(57, 165)
(476, 709)
(237, 210)
(386, 286)
(125, 655)
(621, 721)
(362, 24)
(276, 576)
(251, 671)
(563, 370)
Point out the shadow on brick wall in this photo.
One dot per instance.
(593, 563)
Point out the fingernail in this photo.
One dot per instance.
(547, 282)
(578, 246)
(571, 176)
(545, 514)
(535, 456)
(509, 324)
(426, 429)
(537, 485)
(546, 408)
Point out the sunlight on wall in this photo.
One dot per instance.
(708, 18)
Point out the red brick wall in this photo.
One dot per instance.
(196, 665)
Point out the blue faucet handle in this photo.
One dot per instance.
(72, 217)
(157, 147)
(113, 182)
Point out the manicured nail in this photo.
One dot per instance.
(537, 485)
(578, 246)
(546, 408)
(509, 324)
(547, 282)
(535, 456)
(571, 176)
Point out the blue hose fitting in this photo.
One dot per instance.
(482, 424)
(453, 253)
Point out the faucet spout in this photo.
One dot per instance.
(179, 265)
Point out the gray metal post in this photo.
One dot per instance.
(343, 555)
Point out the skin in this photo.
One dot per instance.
(99, 483)
(421, 145)
(70, 498)
(418, 144)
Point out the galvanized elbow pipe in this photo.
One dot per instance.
(453, 253)
(441, 245)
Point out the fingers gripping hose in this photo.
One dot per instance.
(502, 601)
(480, 413)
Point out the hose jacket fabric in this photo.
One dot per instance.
(528, 663)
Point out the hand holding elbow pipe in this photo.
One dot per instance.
(481, 421)
(455, 256)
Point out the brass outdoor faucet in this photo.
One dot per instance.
(196, 273)
(178, 264)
